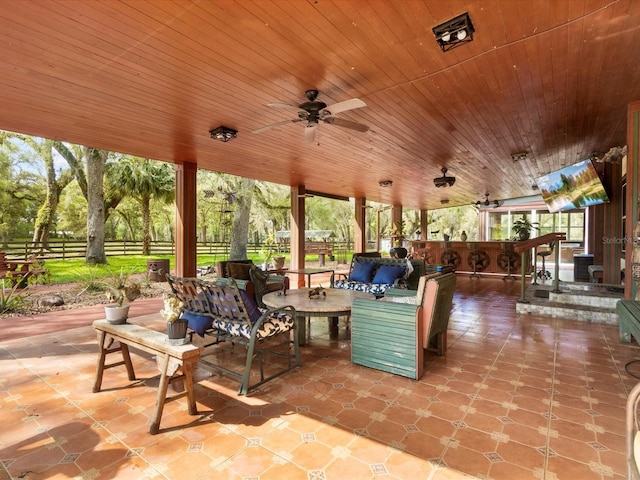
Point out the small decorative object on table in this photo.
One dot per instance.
(176, 326)
(317, 293)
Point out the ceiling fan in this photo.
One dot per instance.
(314, 111)
(487, 203)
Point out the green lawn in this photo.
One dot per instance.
(77, 271)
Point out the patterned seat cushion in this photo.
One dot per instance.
(377, 289)
(275, 324)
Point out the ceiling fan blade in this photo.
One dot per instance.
(340, 122)
(343, 106)
(274, 125)
(286, 106)
(310, 132)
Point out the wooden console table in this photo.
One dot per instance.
(170, 358)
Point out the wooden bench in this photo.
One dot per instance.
(169, 357)
(19, 270)
(629, 314)
(322, 249)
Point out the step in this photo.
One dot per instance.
(570, 311)
(575, 300)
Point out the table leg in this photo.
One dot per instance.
(187, 371)
(101, 359)
(162, 395)
(333, 326)
(105, 348)
(302, 330)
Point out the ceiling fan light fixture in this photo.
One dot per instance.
(454, 32)
(224, 134)
(444, 180)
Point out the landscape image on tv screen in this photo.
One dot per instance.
(576, 186)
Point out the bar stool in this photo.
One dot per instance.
(472, 259)
(508, 260)
(543, 273)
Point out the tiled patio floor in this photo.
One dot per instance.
(515, 397)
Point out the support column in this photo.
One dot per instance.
(297, 231)
(632, 199)
(185, 222)
(396, 223)
(360, 227)
(424, 225)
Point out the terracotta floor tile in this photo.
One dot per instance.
(496, 406)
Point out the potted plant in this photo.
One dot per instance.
(267, 252)
(522, 228)
(176, 326)
(397, 235)
(120, 289)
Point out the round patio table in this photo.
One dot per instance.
(336, 303)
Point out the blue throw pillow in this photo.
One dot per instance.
(197, 323)
(387, 274)
(362, 272)
(252, 307)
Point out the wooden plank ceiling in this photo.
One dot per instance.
(551, 78)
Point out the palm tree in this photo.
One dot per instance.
(142, 179)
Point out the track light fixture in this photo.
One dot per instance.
(455, 32)
(519, 156)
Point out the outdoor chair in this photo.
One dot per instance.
(633, 434)
(225, 313)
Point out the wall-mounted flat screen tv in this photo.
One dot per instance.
(575, 186)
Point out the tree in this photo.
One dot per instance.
(92, 161)
(19, 192)
(243, 195)
(142, 180)
(55, 184)
(95, 160)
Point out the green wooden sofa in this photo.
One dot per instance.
(392, 333)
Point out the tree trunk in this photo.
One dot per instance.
(146, 221)
(241, 217)
(95, 161)
(44, 219)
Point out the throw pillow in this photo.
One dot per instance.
(387, 274)
(362, 272)
(251, 306)
(259, 279)
(239, 271)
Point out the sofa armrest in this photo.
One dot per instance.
(337, 276)
(399, 292)
(279, 278)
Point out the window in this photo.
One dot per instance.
(571, 223)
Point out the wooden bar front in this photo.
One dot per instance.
(495, 257)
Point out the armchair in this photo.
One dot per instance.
(249, 278)
(391, 334)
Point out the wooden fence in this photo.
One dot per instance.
(67, 249)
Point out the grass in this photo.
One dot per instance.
(77, 271)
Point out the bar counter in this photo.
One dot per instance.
(496, 257)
